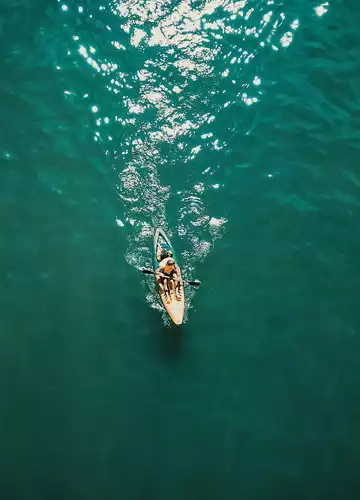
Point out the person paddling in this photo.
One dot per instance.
(168, 268)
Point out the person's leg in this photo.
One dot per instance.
(178, 290)
(176, 285)
(160, 282)
(167, 290)
(161, 286)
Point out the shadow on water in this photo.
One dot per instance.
(165, 339)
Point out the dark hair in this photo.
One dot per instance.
(165, 253)
(171, 262)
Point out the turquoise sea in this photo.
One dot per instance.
(235, 125)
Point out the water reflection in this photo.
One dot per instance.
(171, 73)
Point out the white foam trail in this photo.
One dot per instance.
(144, 200)
(200, 230)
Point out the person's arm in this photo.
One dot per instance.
(159, 271)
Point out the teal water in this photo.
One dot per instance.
(235, 125)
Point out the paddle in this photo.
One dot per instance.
(150, 271)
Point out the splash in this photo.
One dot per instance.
(162, 116)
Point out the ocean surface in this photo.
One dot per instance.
(234, 125)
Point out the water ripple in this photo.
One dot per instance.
(176, 77)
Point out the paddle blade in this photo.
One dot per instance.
(146, 271)
(194, 283)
